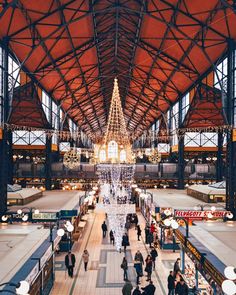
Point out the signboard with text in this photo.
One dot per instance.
(195, 214)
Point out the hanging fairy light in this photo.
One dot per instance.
(115, 147)
(71, 159)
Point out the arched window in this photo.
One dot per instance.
(112, 150)
(102, 155)
(123, 156)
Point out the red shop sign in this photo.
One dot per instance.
(195, 214)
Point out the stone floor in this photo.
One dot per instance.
(104, 275)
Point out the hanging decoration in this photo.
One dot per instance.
(115, 147)
(155, 156)
(71, 159)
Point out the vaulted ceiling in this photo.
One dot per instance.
(157, 49)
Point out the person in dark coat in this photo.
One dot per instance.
(124, 266)
(149, 289)
(181, 288)
(112, 239)
(139, 271)
(176, 266)
(139, 231)
(148, 267)
(136, 291)
(127, 288)
(70, 263)
(125, 241)
(171, 283)
(104, 229)
(147, 230)
(139, 257)
(154, 255)
(150, 239)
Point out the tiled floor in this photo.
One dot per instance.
(104, 275)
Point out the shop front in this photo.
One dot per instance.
(200, 268)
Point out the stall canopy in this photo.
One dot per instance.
(157, 49)
(206, 109)
(26, 108)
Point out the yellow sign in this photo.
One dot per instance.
(234, 135)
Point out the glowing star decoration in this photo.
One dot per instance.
(71, 159)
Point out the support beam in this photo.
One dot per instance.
(231, 143)
(180, 151)
(4, 134)
(219, 163)
(48, 150)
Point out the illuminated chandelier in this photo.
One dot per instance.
(116, 146)
(71, 159)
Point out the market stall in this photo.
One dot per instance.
(200, 268)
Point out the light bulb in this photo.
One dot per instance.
(25, 217)
(174, 224)
(23, 288)
(210, 215)
(213, 208)
(19, 211)
(229, 287)
(36, 211)
(167, 222)
(230, 273)
(4, 218)
(60, 232)
(70, 228)
(229, 215)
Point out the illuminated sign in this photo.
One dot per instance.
(200, 214)
(45, 216)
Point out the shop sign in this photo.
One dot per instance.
(45, 257)
(68, 213)
(193, 251)
(33, 274)
(215, 275)
(192, 214)
(180, 236)
(45, 216)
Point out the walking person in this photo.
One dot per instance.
(112, 238)
(147, 230)
(124, 266)
(150, 239)
(127, 288)
(171, 283)
(181, 288)
(148, 267)
(125, 241)
(104, 229)
(139, 231)
(154, 255)
(70, 263)
(137, 291)
(139, 271)
(139, 257)
(177, 266)
(149, 289)
(85, 257)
